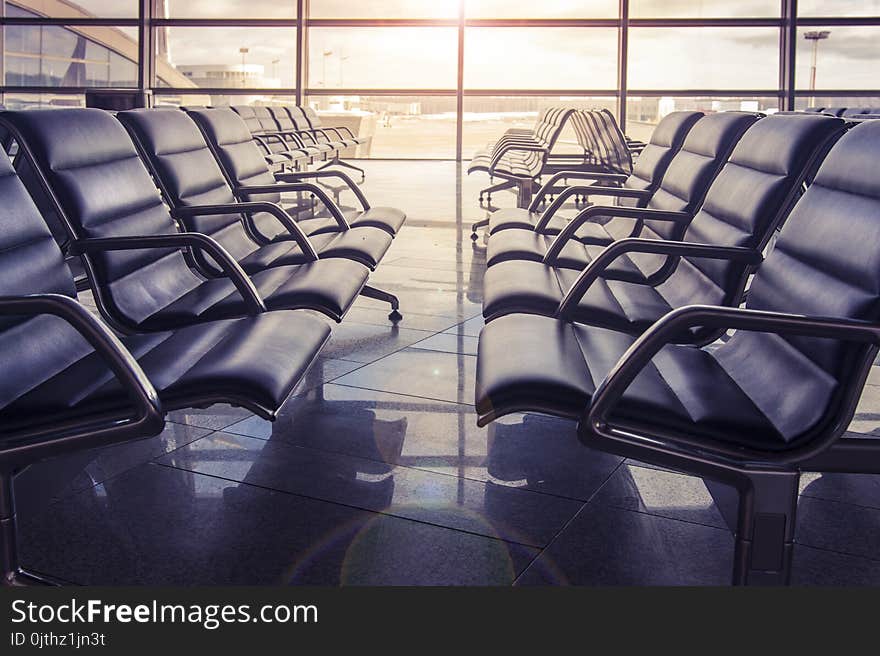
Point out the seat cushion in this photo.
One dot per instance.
(364, 245)
(328, 286)
(256, 359)
(560, 364)
(389, 219)
(512, 217)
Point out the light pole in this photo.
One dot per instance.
(815, 36)
(244, 52)
(275, 68)
(327, 53)
(342, 59)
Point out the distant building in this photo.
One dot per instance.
(74, 56)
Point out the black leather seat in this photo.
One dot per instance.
(755, 411)
(666, 141)
(272, 147)
(228, 136)
(304, 139)
(189, 176)
(745, 203)
(682, 188)
(103, 190)
(70, 384)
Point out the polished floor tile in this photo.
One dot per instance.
(429, 374)
(841, 527)
(661, 493)
(364, 343)
(46, 481)
(470, 328)
(529, 452)
(159, 525)
(449, 343)
(439, 499)
(605, 546)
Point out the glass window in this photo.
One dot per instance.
(643, 114)
(545, 9)
(548, 57)
(384, 9)
(703, 58)
(486, 117)
(383, 57)
(838, 7)
(845, 57)
(81, 56)
(227, 57)
(833, 102)
(29, 100)
(76, 9)
(225, 8)
(420, 127)
(704, 8)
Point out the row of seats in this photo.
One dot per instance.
(621, 318)
(845, 112)
(195, 261)
(293, 137)
(521, 159)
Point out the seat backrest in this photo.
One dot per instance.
(619, 158)
(239, 157)
(188, 174)
(282, 118)
(102, 189)
(265, 118)
(666, 140)
(825, 263)
(298, 118)
(32, 349)
(249, 116)
(747, 201)
(311, 116)
(686, 180)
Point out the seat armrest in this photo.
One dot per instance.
(148, 418)
(547, 187)
(227, 263)
(282, 187)
(662, 332)
(606, 211)
(247, 208)
(496, 157)
(327, 173)
(587, 190)
(588, 276)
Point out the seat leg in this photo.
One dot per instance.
(346, 165)
(507, 184)
(482, 223)
(525, 189)
(13, 574)
(765, 528)
(380, 295)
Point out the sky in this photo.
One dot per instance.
(563, 58)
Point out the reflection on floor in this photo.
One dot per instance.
(375, 472)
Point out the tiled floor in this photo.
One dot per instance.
(376, 473)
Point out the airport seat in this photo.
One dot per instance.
(701, 258)
(683, 183)
(132, 247)
(70, 384)
(275, 149)
(304, 138)
(227, 135)
(754, 412)
(338, 139)
(666, 140)
(193, 184)
(519, 160)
